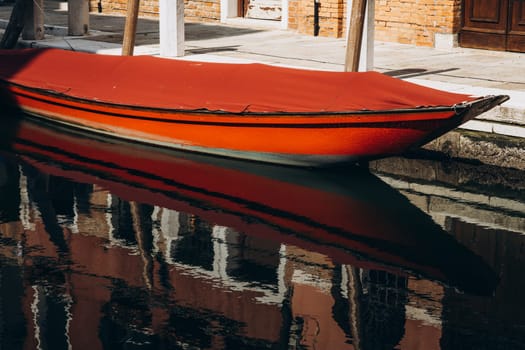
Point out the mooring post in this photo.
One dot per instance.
(355, 35)
(15, 25)
(78, 17)
(34, 20)
(130, 28)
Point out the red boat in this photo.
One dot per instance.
(247, 111)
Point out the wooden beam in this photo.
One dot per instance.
(355, 35)
(15, 25)
(130, 28)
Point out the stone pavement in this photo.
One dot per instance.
(477, 72)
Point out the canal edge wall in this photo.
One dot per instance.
(496, 137)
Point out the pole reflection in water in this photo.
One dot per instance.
(109, 245)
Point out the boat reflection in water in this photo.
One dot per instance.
(116, 245)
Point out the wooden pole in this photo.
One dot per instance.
(130, 28)
(15, 25)
(78, 17)
(34, 21)
(354, 296)
(355, 35)
(147, 272)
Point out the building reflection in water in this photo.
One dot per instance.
(84, 268)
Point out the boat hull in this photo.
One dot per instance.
(321, 139)
(255, 112)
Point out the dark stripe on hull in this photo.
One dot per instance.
(394, 124)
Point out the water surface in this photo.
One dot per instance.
(112, 245)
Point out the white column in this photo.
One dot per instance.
(366, 61)
(284, 14)
(228, 9)
(171, 27)
(220, 251)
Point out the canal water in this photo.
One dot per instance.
(106, 244)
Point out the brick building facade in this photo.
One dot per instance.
(416, 22)
(332, 17)
(194, 10)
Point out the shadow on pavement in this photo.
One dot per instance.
(415, 72)
(206, 50)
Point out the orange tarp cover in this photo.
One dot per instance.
(177, 84)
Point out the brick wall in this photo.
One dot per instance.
(194, 10)
(331, 17)
(404, 21)
(202, 10)
(416, 21)
(147, 8)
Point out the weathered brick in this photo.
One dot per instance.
(405, 21)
